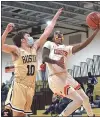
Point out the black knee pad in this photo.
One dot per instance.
(6, 113)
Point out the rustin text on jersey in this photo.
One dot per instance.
(60, 52)
(29, 58)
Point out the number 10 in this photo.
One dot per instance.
(31, 70)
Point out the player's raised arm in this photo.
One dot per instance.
(48, 29)
(79, 47)
(5, 47)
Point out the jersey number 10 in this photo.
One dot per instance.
(31, 70)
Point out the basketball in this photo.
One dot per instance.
(93, 20)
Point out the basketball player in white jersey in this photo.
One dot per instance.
(55, 54)
(25, 62)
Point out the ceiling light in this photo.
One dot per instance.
(48, 22)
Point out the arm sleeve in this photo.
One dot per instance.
(69, 50)
(47, 45)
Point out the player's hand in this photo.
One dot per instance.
(99, 26)
(10, 27)
(61, 63)
(60, 11)
(99, 19)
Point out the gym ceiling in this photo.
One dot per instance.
(34, 15)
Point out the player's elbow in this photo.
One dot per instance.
(2, 44)
(47, 32)
(44, 59)
(3, 48)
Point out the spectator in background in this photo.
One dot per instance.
(4, 92)
(90, 86)
(43, 71)
(80, 82)
(58, 105)
(63, 103)
(51, 108)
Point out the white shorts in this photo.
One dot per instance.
(61, 85)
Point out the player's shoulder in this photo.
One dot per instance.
(69, 49)
(12, 46)
(15, 48)
(49, 42)
(68, 46)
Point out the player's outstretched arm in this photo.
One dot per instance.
(79, 47)
(5, 47)
(48, 29)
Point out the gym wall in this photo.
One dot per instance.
(92, 49)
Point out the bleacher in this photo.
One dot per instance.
(97, 88)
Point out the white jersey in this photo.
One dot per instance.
(56, 52)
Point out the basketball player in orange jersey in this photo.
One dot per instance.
(55, 54)
(25, 62)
